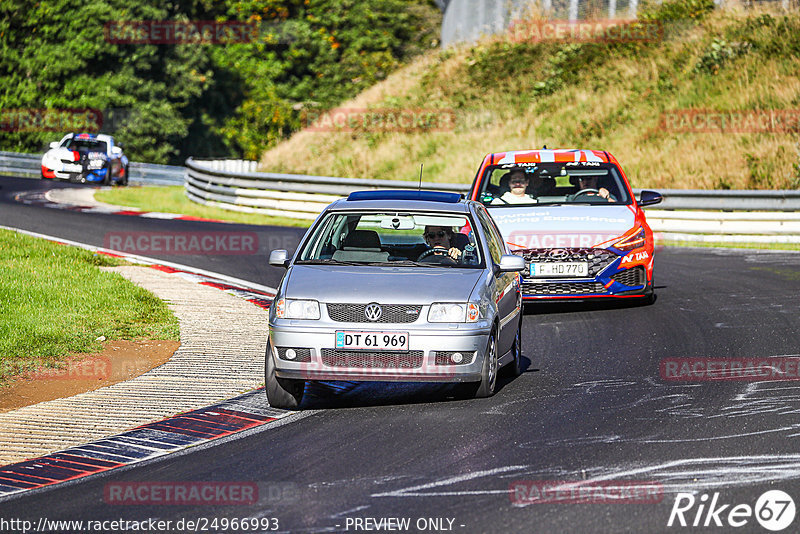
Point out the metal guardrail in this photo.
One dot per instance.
(729, 200)
(742, 216)
(288, 195)
(303, 197)
(30, 166)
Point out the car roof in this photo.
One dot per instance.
(559, 155)
(91, 136)
(403, 200)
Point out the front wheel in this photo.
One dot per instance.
(514, 368)
(284, 393)
(123, 180)
(489, 369)
(107, 179)
(649, 294)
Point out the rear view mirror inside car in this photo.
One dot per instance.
(399, 222)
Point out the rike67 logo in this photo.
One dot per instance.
(774, 510)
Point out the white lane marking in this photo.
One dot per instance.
(674, 476)
(414, 491)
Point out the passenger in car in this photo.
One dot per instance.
(516, 182)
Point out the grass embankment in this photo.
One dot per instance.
(55, 301)
(615, 96)
(172, 199)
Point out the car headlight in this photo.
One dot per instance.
(453, 312)
(296, 309)
(635, 240)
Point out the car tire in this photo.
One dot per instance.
(489, 370)
(124, 179)
(283, 393)
(514, 368)
(107, 180)
(649, 294)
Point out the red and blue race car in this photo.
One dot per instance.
(572, 215)
(85, 157)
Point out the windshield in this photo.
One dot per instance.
(86, 145)
(516, 184)
(414, 239)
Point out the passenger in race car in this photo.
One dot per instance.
(517, 182)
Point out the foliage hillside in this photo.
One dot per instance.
(165, 102)
(617, 96)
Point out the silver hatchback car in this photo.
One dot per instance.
(395, 286)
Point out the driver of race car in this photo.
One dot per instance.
(441, 237)
(590, 182)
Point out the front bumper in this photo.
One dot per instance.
(83, 176)
(418, 364)
(610, 276)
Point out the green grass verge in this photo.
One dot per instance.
(632, 98)
(55, 301)
(171, 199)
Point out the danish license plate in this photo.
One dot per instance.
(371, 340)
(578, 269)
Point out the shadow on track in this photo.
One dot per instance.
(342, 394)
(544, 308)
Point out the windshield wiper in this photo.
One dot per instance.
(328, 262)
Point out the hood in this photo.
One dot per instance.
(66, 154)
(386, 285)
(580, 226)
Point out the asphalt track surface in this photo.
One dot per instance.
(592, 405)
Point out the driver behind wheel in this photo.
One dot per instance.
(440, 239)
(587, 185)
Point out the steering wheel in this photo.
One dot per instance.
(587, 191)
(439, 251)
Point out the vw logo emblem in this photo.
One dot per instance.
(559, 253)
(373, 312)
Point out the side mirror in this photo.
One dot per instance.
(510, 263)
(279, 258)
(54, 144)
(116, 150)
(648, 198)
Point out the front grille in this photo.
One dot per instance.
(630, 277)
(391, 313)
(302, 355)
(597, 258)
(562, 288)
(372, 360)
